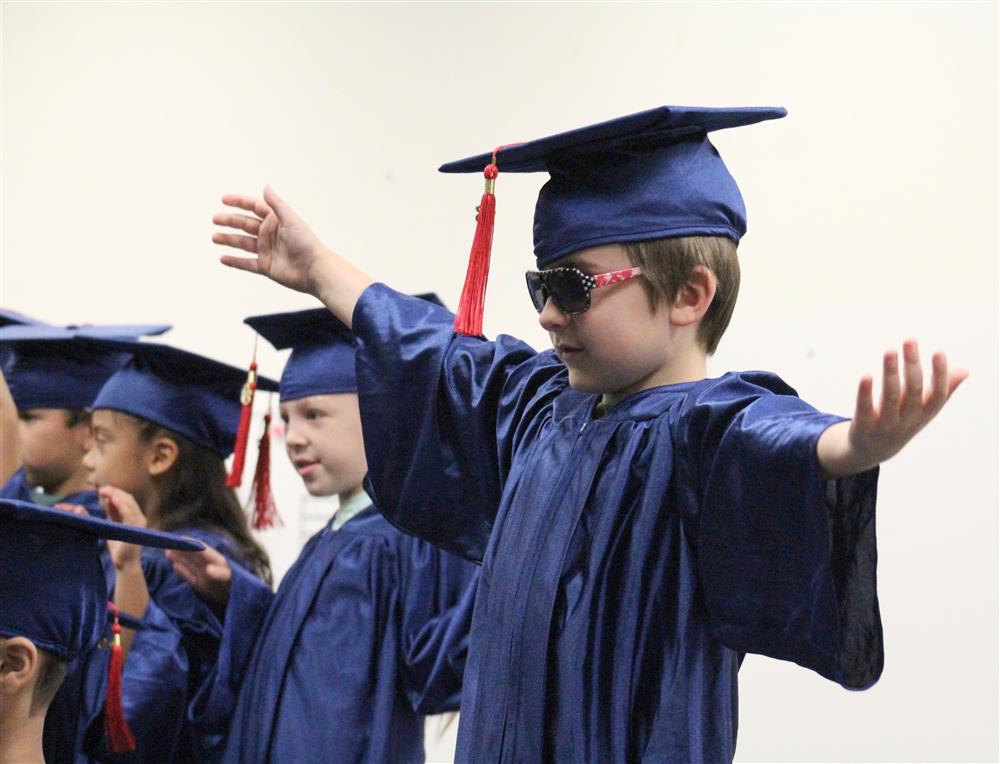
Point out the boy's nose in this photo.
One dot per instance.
(551, 318)
(88, 460)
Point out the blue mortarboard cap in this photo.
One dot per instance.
(50, 367)
(52, 586)
(322, 359)
(12, 317)
(194, 396)
(644, 176)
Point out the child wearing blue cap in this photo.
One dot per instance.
(163, 424)
(641, 527)
(368, 630)
(53, 378)
(53, 609)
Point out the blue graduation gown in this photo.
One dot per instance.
(367, 632)
(628, 561)
(169, 663)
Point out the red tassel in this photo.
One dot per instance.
(265, 513)
(116, 727)
(469, 318)
(243, 433)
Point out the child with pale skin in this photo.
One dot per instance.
(662, 341)
(641, 527)
(368, 631)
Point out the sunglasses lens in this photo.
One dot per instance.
(568, 290)
(536, 289)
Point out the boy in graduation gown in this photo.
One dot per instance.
(53, 609)
(641, 526)
(367, 632)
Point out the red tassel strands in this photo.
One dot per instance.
(115, 726)
(469, 318)
(235, 478)
(265, 513)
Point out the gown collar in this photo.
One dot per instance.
(354, 505)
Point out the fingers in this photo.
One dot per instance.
(250, 264)
(913, 376)
(251, 203)
(864, 409)
(236, 241)
(75, 509)
(889, 407)
(242, 222)
(281, 209)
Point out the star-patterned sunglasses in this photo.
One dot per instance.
(570, 288)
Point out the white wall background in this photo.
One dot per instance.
(873, 217)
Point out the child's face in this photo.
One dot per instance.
(119, 455)
(51, 450)
(619, 345)
(324, 442)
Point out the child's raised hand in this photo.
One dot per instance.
(207, 572)
(875, 434)
(121, 507)
(285, 247)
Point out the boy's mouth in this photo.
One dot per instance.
(304, 466)
(567, 352)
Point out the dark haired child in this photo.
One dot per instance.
(163, 425)
(641, 526)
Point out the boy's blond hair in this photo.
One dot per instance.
(667, 264)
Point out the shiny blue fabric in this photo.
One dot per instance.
(628, 561)
(171, 660)
(367, 632)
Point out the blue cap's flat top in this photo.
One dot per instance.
(44, 333)
(316, 326)
(55, 367)
(13, 511)
(9, 317)
(175, 364)
(646, 129)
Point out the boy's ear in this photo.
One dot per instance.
(162, 455)
(19, 665)
(694, 297)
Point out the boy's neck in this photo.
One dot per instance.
(688, 367)
(74, 483)
(21, 736)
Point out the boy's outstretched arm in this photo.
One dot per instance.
(874, 435)
(287, 251)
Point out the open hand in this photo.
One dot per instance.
(207, 572)
(121, 507)
(875, 434)
(903, 410)
(286, 249)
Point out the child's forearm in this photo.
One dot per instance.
(837, 456)
(338, 283)
(131, 596)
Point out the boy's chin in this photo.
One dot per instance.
(585, 383)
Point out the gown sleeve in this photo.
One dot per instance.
(214, 701)
(442, 415)
(786, 559)
(439, 592)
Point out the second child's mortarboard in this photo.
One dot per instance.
(192, 395)
(322, 358)
(52, 367)
(644, 176)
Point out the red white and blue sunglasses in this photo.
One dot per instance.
(570, 288)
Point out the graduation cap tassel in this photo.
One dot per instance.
(116, 727)
(265, 513)
(469, 318)
(235, 478)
